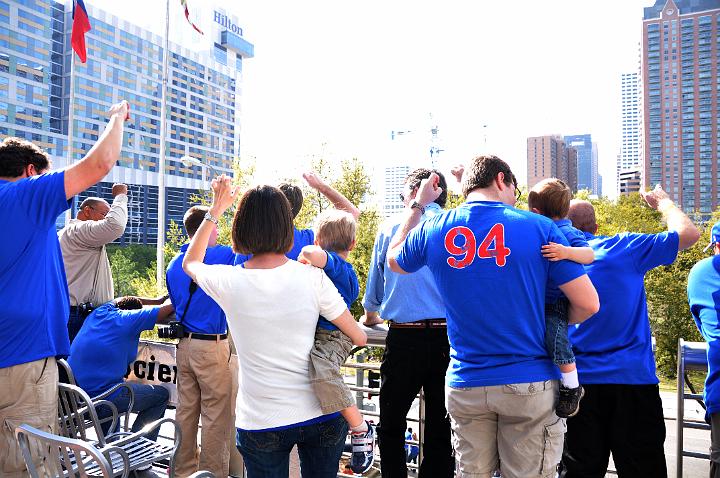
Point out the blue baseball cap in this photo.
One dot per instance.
(714, 236)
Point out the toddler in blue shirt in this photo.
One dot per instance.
(551, 198)
(334, 239)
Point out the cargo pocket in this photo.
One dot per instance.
(552, 447)
(10, 454)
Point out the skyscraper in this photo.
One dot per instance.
(680, 52)
(587, 161)
(393, 187)
(124, 62)
(549, 157)
(630, 157)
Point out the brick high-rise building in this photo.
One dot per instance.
(680, 55)
(549, 157)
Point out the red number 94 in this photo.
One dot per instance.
(496, 237)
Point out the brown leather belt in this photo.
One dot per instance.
(420, 324)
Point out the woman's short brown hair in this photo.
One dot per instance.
(551, 197)
(263, 222)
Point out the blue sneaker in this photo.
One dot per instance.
(362, 450)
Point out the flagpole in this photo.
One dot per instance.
(71, 121)
(161, 163)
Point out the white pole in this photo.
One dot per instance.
(161, 162)
(71, 120)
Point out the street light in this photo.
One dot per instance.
(190, 161)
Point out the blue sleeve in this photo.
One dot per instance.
(652, 250)
(375, 286)
(43, 197)
(413, 254)
(334, 267)
(142, 319)
(576, 238)
(562, 272)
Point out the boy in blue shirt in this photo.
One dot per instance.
(334, 239)
(551, 198)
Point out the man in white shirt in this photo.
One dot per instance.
(83, 243)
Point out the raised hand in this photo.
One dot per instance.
(313, 180)
(224, 194)
(653, 198)
(121, 109)
(429, 190)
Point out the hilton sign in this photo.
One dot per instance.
(227, 23)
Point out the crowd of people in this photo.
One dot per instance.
(527, 333)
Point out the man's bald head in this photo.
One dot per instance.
(582, 215)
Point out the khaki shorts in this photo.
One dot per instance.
(512, 428)
(29, 394)
(330, 351)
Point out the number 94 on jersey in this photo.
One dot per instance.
(461, 244)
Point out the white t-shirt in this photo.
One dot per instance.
(272, 315)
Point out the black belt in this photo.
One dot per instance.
(420, 324)
(193, 335)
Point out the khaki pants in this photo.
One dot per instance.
(236, 460)
(330, 351)
(28, 394)
(508, 427)
(204, 389)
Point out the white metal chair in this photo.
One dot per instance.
(77, 417)
(68, 457)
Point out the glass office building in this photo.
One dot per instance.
(124, 62)
(681, 51)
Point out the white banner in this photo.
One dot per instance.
(156, 365)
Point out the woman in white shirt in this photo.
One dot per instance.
(272, 306)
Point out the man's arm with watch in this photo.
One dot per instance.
(224, 194)
(428, 192)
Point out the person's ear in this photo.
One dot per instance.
(352, 245)
(536, 211)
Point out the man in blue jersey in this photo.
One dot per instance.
(486, 259)
(416, 349)
(704, 297)
(203, 360)
(622, 411)
(34, 304)
(107, 343)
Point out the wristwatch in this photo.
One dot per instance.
(211, 218)
(416, 205)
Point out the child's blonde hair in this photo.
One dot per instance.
(335, 230)
(551, 197)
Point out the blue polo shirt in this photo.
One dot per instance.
(401, 297)
(615, 345)
(107, 344)
(704, 297)
(575, 238)
(487, 263)
(204, 315)
(343, 276)
(301, 238)
(34, 304)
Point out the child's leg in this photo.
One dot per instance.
(354, 418)
(329, 348)
(557, 342)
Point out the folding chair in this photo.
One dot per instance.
(78, 419)
(68, 457)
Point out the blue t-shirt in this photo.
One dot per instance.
(34, 304)
(204, 315)
(342, 275)
(107, 344)
(575, 238)
(301, 238)
(486, 260)
(614, 345)
(704, 297)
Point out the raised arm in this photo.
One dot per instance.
(101, 157)
(224, 194)
(583, 298)
(337, 199)
(104, 231)
(428, 192)
(557, 252)
(677, 221)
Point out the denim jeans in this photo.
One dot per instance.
(556, 333)
(267, 454)
(150, 403)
